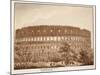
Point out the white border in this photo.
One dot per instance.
(48, 69)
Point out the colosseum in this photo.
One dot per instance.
(42, 43)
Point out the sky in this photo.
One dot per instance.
(28, 14)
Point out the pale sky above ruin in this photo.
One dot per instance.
(35, 14)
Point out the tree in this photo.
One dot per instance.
(68, 54)
(86, 57)
(54, 57)
(22, 56)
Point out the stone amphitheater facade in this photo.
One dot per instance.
(46, 40)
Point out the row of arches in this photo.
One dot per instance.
(49, 38)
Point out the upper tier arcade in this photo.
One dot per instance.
(45, 30)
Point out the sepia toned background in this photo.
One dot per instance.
(30, 14)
